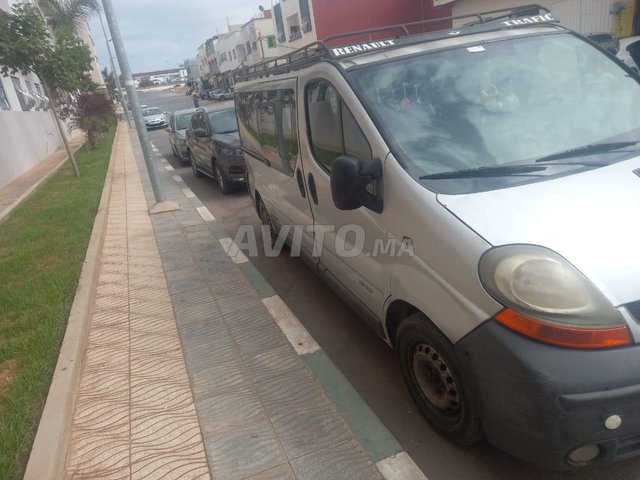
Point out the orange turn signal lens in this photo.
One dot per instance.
(564, 336)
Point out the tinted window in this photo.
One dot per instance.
(332, 129)
(223, 121)
(195, 121)
(268, 127)
(182, 121)
(151, 111)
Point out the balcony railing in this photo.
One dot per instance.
(295, 35)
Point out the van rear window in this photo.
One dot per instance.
(268, 127)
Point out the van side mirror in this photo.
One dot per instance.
(349, 184)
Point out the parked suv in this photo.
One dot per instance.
(177, 129)
(213, 147)
(477, 190)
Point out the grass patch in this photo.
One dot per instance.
(42, 247)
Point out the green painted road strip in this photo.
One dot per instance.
(367, 427)
(256, 279)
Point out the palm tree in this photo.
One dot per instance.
(66, 16)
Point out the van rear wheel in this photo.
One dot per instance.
(433, 377)
(265, 219)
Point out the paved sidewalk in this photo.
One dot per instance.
(14, 192)
(188, 373)
(134, 414)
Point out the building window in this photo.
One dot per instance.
(4, 100)
(234, 54)
(305, 16)
(296, 33)
(18, 88)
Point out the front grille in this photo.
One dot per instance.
(237, 170)
(634, 310)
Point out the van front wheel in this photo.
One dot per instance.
(431, 372)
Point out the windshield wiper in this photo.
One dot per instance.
(587, 150)
(497, 171)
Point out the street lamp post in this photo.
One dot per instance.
(162, 204)
(115, 73)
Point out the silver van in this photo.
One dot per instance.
(477, 196)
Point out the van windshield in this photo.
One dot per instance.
(507, 102)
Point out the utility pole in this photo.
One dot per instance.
(162, 204)
(115, 73)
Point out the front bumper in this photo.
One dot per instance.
(155, 125)
(539, 402)
(233, 167)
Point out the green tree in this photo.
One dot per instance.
(68, 15)
(62, 66)
(146, 82)
(110, 82)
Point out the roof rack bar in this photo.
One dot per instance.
(289, 62)
(404, 26)
(318, 51)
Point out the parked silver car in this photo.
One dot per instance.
(477, 190)
(154, 118)
(178, 123)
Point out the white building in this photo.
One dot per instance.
(259, 36)
(28, 132)
(231, 52)
(294, 21)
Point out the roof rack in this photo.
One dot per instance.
(295, 60)
(319, 51)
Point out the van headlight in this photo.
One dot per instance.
(547, 298)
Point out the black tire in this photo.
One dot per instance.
(223, 183)
(196, 171)
(434, 379)
(265, 219)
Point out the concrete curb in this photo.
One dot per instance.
(5, 213)
(49, 451)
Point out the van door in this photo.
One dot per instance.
(352, 238)
(267, 115)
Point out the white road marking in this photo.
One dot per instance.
(189, 194)
(298, 336)
(400, 467)
(232, 250)
(205, 214)
(170, 168)
(178, 178)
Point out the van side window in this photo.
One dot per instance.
(268, 127)
(333, 131)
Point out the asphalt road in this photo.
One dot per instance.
(364, 358)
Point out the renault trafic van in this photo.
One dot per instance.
(477, 191)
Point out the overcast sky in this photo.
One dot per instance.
(161, 34)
